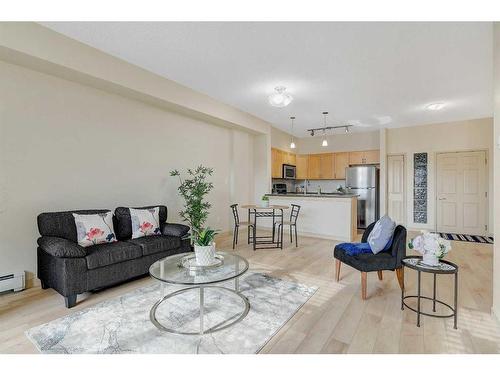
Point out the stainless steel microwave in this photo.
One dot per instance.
(289, 171)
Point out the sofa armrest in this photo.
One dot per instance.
(176, 230)
(61, 248)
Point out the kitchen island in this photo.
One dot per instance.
(330, 216)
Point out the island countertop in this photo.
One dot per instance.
(313, 195)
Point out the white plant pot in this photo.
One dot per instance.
(205, 255)
(430, 259)
(265, 203)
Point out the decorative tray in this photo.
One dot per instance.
(189, 262)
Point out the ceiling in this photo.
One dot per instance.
(371, 75)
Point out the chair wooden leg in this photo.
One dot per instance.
(291, 236)
(338, 263)
(296, 242)
(401, 277)
(379, 273)
(363, 285)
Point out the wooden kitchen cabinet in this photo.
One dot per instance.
(314, 167)
(278, 158)
(364, 157)
(341, 162)
(372, 157)
(301, 161)
(289, 158)
(276, 163)
(326, 166)
(356, 157)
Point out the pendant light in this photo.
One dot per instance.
(292, 143)
(325, 142)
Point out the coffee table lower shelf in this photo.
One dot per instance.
(201, 331)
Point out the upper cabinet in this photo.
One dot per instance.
(302, 163)
(276, 163)
(341, 162)
(278, 158)
(314, 167)
(364, 157)
(325, 166)
(326, 163)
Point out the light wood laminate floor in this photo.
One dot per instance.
(335, 319)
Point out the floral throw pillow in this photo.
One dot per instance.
(94, 229)
(145, 222)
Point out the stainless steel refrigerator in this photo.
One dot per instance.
(364, 181)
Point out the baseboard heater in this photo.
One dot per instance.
(14, 281)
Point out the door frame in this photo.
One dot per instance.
(405, 213)
(487, 185)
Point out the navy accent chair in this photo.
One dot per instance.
(389, 260)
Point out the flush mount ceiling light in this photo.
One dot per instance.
(435, 106)
(292, 143)
(280, 98)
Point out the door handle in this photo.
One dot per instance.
(442, 199)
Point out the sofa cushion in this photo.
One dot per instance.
(366, 262)
(61, 247)
(155, 244)
(176, 230)
(381, 234)
(110, 253)
(94, 229)
(123, 222)
(145, 222)
(61, 224)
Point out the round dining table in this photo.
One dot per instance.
(275, 241)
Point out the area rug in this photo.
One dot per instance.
(467, 237)
(122, 324)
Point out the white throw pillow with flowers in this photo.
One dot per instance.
(94, 229)
(145, 222)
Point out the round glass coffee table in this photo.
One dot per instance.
(170, 270)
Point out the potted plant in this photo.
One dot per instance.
(204, 247)
(194, 190)
(265, 201)
(432, 247)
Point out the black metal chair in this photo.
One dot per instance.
(294, 214)
(386, 260)
(238, 224)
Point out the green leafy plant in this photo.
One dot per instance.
(206, 237)
(194, 189)
(265, 198)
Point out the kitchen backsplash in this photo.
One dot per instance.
(327, 186)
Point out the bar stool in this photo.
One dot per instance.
(294, 214)
(238, 223)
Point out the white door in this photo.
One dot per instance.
(396, 188)
(461, 192)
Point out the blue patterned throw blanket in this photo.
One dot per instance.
(355, 248)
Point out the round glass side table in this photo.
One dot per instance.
(444, 268)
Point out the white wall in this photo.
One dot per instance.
(456, 136)
(340, 142)
(281, 140)
(496, 255)
(67, 146)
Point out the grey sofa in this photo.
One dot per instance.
(71, 269)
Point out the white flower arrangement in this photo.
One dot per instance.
(430, 245)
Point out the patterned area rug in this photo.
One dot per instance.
(466, 237)
(122, 325)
